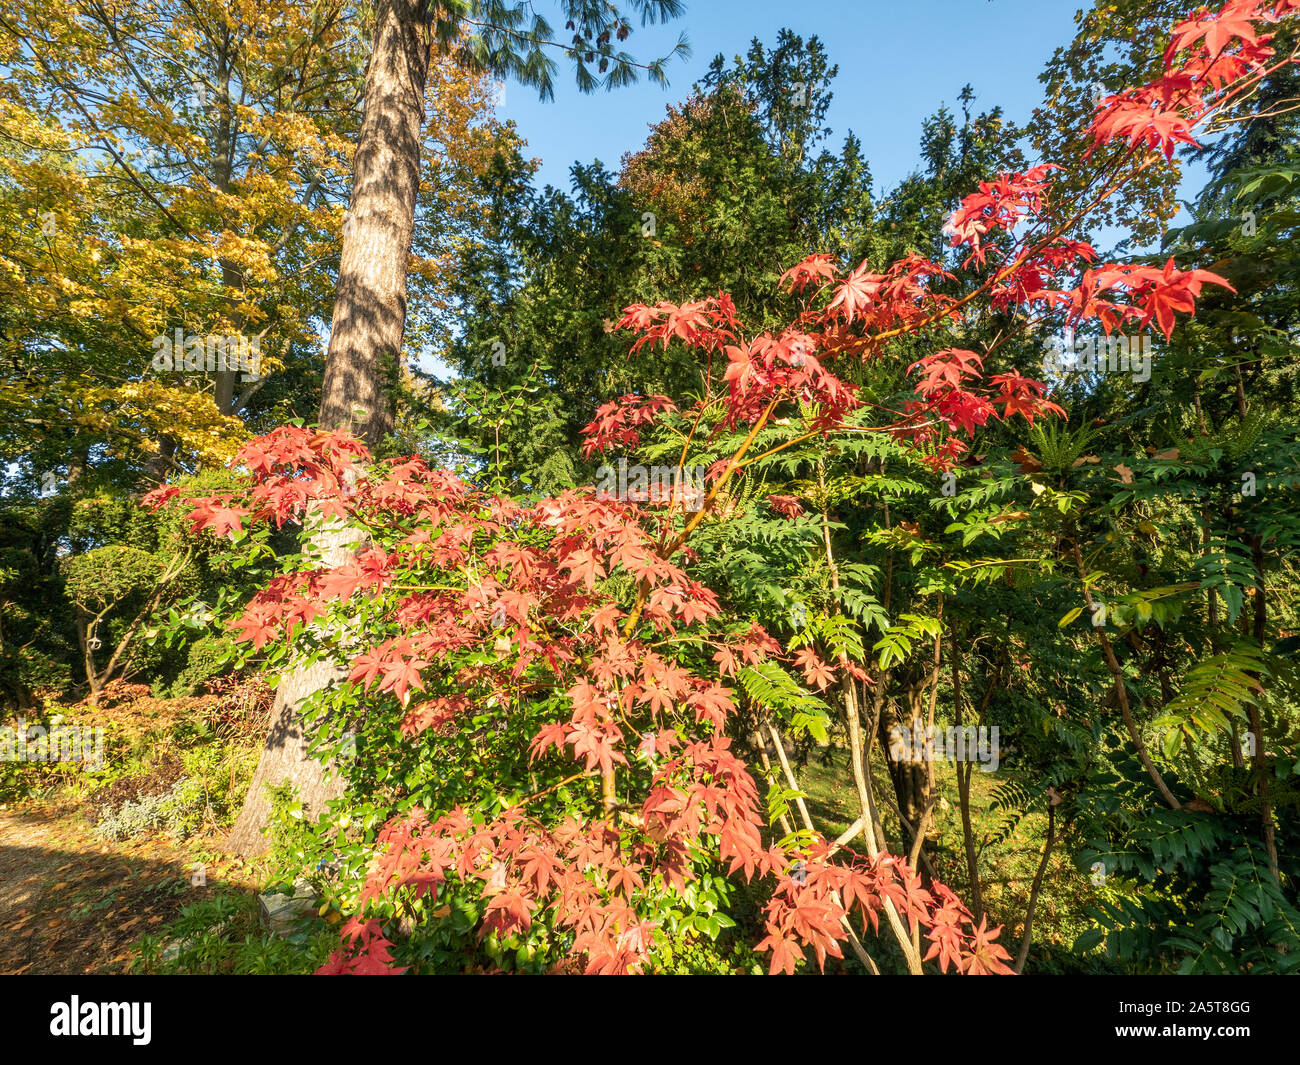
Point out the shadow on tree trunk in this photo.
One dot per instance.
(285, 757)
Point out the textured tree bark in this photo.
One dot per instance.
(284, 754)
(911, 775)
(362, 365)
(285, 757)
(370, 301)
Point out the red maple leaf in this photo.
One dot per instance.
(258, 624)
(815, 671)
(856, 292)
(218, 514)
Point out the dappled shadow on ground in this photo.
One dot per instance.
(71, 903)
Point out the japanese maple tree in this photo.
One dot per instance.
(566, 644)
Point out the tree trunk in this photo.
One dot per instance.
(223, 390)
(361, 370)
(284, 754)
(159, 466)
(85, 633)
(285, 757)
(910, 774)
(362, 364)
(232, 277)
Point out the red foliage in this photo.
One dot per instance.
(1219, 55)
(540, 589)
(541, 594)
(786, 506)
(1021, 263)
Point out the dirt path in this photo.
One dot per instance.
(72, 903)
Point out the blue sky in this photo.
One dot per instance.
(898, 59)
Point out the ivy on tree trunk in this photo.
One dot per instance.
(361, 368)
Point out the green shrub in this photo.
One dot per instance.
(207, 657)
